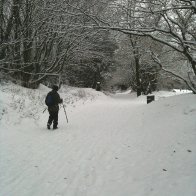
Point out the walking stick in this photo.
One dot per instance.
(65, 112)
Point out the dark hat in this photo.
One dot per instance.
(55, 88)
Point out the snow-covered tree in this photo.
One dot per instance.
(94, 62)
(40, 38)
(171, 23)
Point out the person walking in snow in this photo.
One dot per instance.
(52, 100)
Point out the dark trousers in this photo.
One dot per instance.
(53, 118)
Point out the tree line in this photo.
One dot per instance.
(48, 39)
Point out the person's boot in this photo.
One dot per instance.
(55, 128)
(48, 126)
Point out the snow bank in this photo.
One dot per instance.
(112, 146)
(18, 103)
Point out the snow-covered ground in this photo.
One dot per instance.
(112, 146)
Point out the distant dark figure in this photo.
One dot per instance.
(52, 100)
(98, 86)
(149, 89)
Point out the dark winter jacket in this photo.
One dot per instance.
(56, 99)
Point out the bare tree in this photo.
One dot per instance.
(171, 23)
(39, 38)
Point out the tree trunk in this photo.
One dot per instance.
(134, 44)
(137, 66)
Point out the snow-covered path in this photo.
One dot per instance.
(111, 147)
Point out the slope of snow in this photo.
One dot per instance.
(112, 146)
